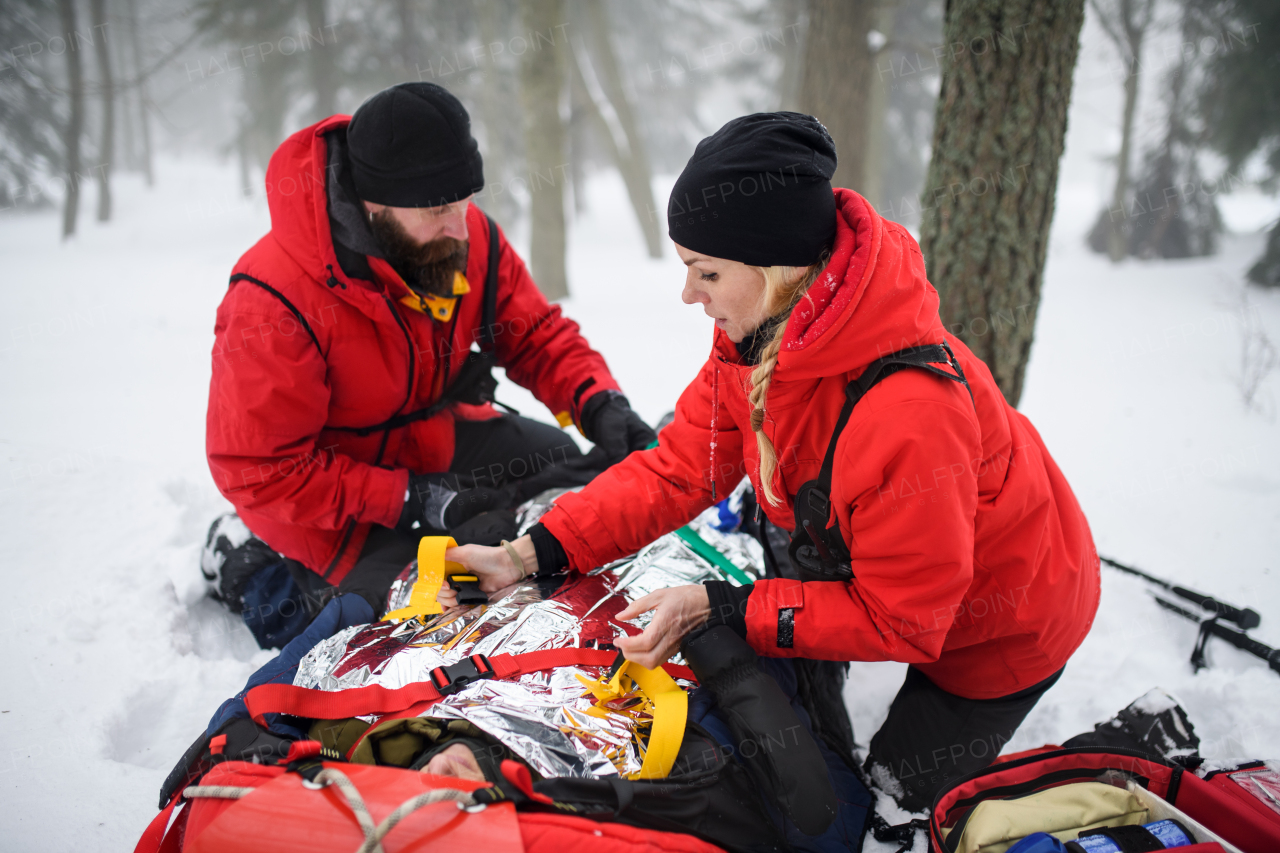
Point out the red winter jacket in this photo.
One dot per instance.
(972, 559)
(312, 492)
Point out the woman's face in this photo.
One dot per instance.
(729, 291)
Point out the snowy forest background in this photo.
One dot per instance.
(133, 139)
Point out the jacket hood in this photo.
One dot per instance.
(297, 197)
(872, 299)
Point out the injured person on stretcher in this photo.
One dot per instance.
(740, 752)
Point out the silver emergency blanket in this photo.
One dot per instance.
(546, 718)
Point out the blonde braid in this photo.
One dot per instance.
(783, 290)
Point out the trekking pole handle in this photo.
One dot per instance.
(1246, 618)
(1246, 643)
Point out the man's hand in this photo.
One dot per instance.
(609, 423)
(677, 611)
(434, 503)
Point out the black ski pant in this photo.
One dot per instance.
(486, 453)
(932, 737)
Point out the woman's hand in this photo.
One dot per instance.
(677, 611)
(493, 566)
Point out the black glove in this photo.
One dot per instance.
(436, 502)
(609, 423)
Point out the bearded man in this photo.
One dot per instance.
(348, 414)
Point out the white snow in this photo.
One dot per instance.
(113, 661)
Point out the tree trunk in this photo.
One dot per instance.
(75, 121)
(407, 38)
(242, 159)
(597, 107)
(837, 73)
(496, 106)
(128, 145)
(1127, 31)
(106, 149)
(792, 55)
(143, 122)
(320, 60)
(633, 158)
(998, 138)
(877, 109)
(1117, 238)
(541, 82)
(582, 112)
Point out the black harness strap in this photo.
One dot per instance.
(817, 551)
(293, 309)
(489, 311)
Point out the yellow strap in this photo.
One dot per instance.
(461, 286)
(670, 712)
(432, 569)
(564, 419)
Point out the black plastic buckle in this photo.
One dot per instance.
(455, 676)
(468, 589)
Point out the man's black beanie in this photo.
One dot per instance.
(411, 146)
(758, 191)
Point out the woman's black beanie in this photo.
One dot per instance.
(758, 191)
(411, 146)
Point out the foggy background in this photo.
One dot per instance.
(134, 135)
(94, 90)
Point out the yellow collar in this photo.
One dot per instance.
(438, 307)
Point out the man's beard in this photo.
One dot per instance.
(427, 267)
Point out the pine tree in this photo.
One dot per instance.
(1240, 101)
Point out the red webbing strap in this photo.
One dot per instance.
(334, 704)
(375, 699)
(159, 837)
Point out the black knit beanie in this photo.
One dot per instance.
(758, 191)
(411, 146)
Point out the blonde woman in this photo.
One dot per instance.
(929, 523)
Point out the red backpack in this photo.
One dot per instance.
(404, 810)
(1217, 802)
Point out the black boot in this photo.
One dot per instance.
(231, 556)
(1154, 724)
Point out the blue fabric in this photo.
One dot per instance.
(341, 612)
(273, 606)
(726, 519)
(1038, 842)
(848, 829)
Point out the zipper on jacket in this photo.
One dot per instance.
(413, 359)
(412, 354)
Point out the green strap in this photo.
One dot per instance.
(707, 551)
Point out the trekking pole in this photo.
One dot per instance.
(1246, 618)
(1236, 638)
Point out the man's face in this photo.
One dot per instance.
(426, 245)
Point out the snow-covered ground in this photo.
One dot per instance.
(112, 662)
